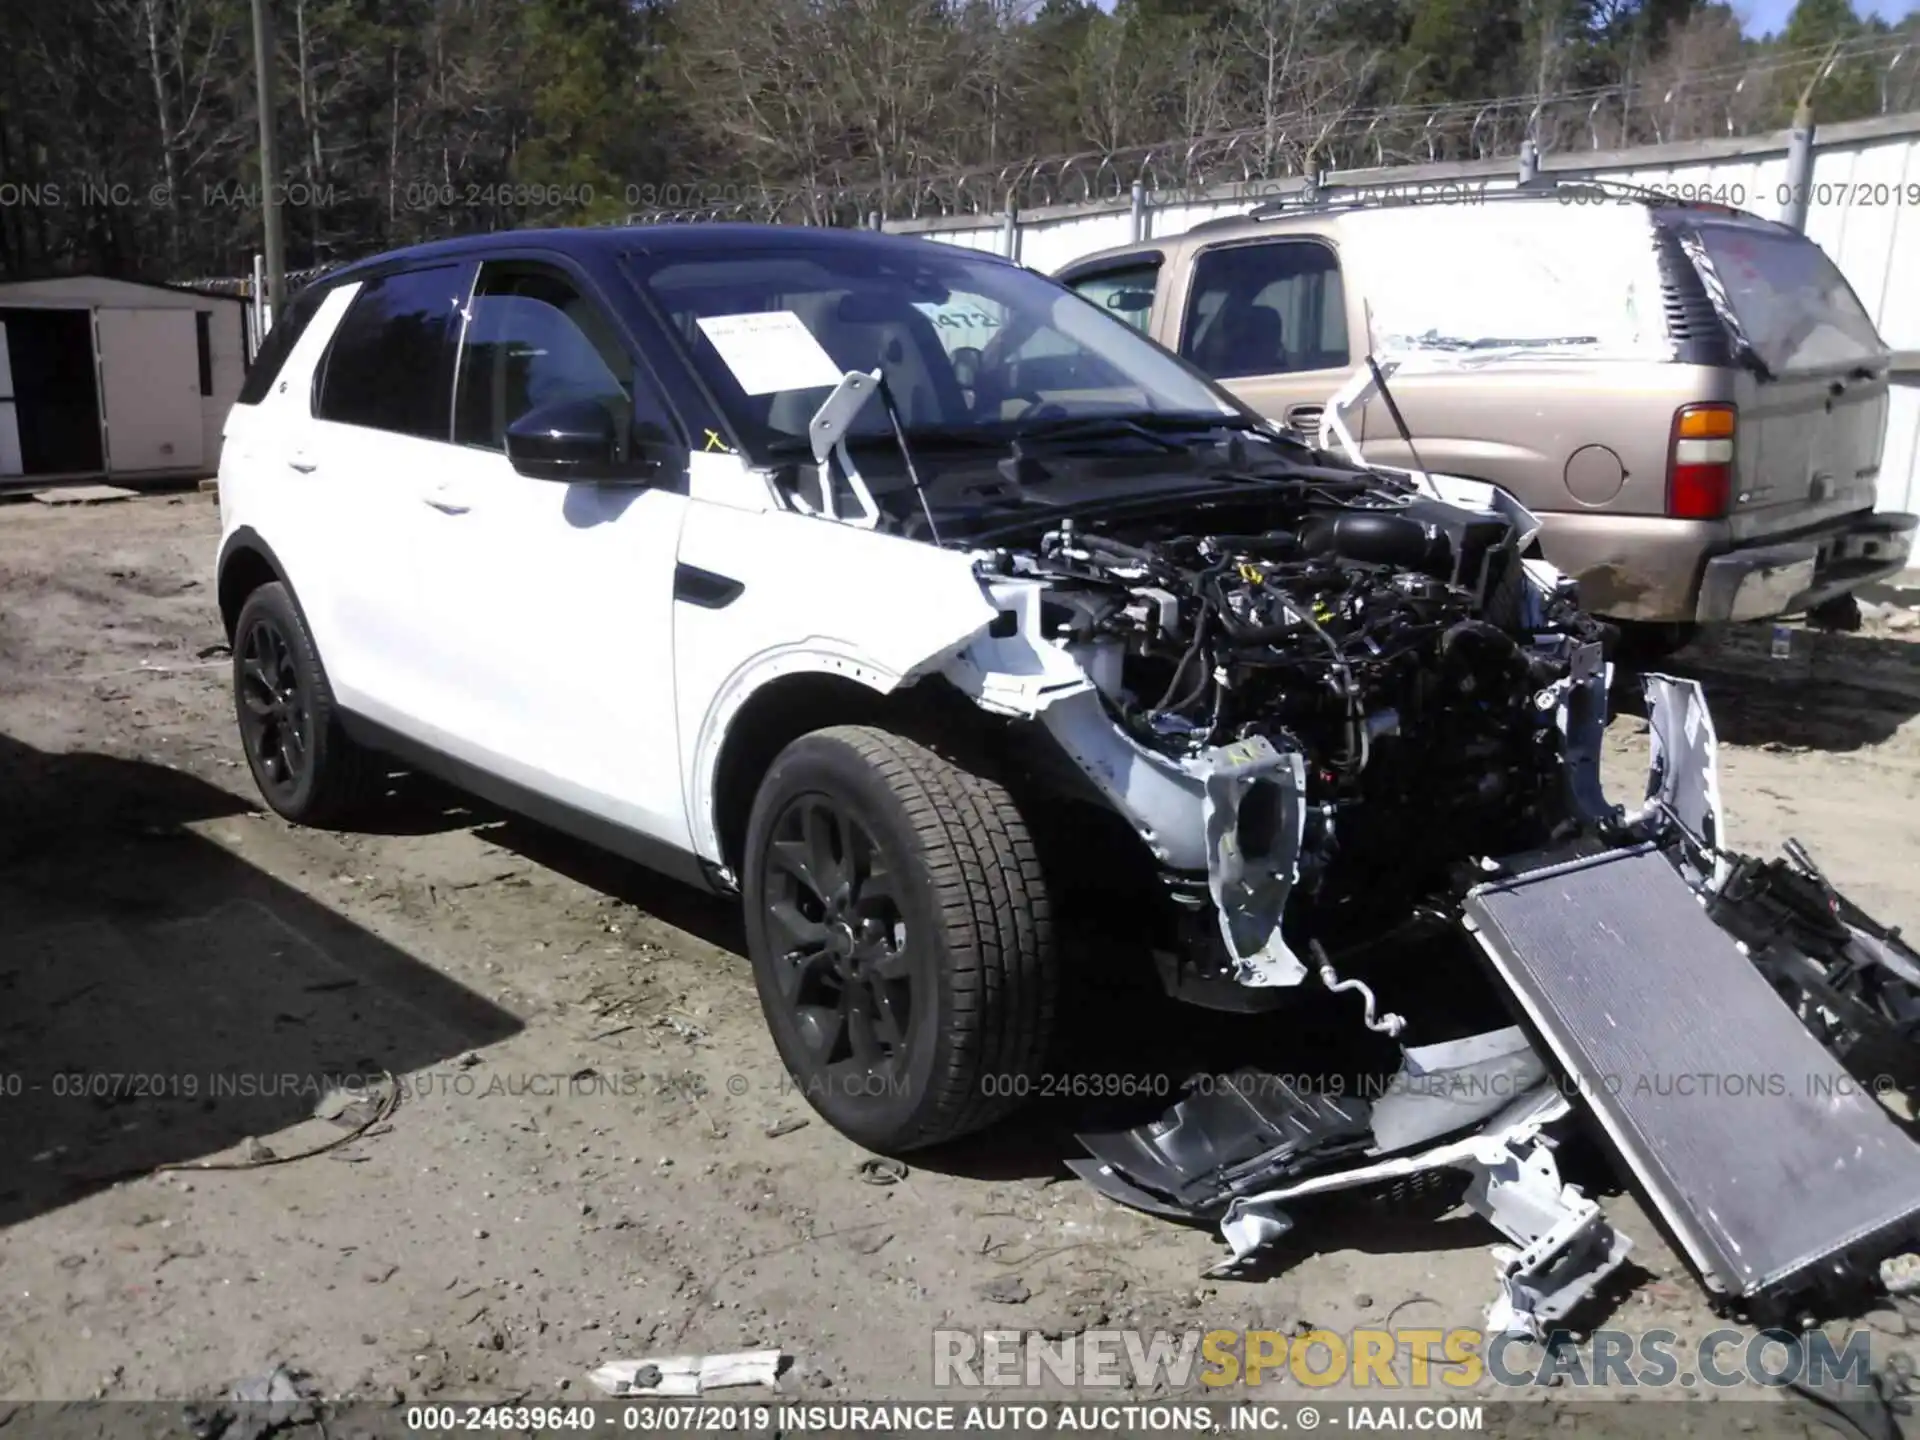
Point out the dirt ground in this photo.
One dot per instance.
(594, 1156)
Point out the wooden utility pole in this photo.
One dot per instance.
(273, 240)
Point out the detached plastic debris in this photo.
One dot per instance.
(688, 1374)
(254, 1408)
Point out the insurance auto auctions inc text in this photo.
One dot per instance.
(1382, 1359)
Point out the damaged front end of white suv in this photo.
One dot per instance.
(1348, 714)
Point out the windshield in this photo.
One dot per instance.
(969, 347)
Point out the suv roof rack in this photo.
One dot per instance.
(1322, 200)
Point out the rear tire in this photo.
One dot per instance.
(901, 937)
(306, 766)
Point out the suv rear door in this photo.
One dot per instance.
(1813, 397)
(379, 432)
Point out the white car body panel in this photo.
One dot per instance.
(544, 623)
(819, 597)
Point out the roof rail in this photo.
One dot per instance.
(1324, 200)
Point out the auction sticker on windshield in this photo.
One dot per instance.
(769, 351)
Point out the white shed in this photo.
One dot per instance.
(115, 378)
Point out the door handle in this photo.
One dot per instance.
(305, 467)
(446, 502)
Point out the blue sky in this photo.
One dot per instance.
(1767, 17)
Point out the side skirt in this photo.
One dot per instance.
(595, 830)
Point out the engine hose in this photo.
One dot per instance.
(1329, 977)
(1478, 630)
(1186, 659)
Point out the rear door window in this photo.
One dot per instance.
(387, 368)
(1272, 308)
(1126, 293)
(1794, 306)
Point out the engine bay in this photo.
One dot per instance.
(1396, 643)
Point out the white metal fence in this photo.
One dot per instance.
(1863, 209)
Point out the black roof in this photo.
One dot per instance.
(598, 242)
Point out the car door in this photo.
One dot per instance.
(1268, 320)
(552, 601)
(368, 458)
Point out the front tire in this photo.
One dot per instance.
(307, 768)
(901, 937)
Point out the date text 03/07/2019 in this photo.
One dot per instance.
(842, 1418)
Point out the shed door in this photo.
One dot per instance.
(150, 375)
(11, 462)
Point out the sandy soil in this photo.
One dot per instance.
(595, 1156)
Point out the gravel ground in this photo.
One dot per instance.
(594, 1156)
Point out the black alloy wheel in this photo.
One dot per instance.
(841, 942)
(276, 715)
(901, 935)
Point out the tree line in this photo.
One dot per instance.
(129, 128)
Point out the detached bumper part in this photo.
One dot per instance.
(1785, 579)
(1247, 1149)
(1564, 1247)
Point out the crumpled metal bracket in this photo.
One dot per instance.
(1579, 706)
(1565, 1245)
(1683, 773)
(1250, 887)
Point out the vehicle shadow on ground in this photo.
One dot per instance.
(162, 1000)
(1834, 692)
(712, 918)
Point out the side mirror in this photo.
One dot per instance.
(569, 440)
(577, 442)
(1130, 302)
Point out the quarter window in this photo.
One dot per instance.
(386, 368)
(278, 344)
(533, 339)
(1267, 309)
(1127, 294)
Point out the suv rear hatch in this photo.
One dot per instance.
(1812, 394)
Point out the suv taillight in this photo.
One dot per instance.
(1700, 462)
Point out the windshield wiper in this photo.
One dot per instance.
(1168, 432)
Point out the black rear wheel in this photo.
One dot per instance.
(901, 937)
(306, 766)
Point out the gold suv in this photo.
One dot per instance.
(1692, 398)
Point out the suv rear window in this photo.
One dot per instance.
(387, 365)
(1795, 307)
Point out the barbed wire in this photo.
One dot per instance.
(1715, 102)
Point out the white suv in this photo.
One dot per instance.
(917, 600)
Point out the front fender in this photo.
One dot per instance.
(813, 657)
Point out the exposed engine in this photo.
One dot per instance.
(1392, 640)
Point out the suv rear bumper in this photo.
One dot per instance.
(1652, 568)
(1761, 581)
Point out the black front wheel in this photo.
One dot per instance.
(901, 937)
(304, 763)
